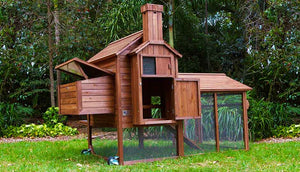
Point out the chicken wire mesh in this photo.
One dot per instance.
(149, 142)
(230, 118)
(201, 132)
(105, 143)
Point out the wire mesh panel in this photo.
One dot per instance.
(149, 142)
(230, 113)
(201, 131)
(105, 142)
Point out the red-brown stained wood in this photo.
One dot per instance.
(163, 66)
(92, 96)
(212, 82)
(245, 121)
(187, 99)
(216, 122)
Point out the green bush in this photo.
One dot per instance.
(266, 116)
(283, 131)
(33, 130)
(51, 117)
(12, 114)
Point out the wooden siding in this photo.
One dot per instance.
(68, 99)
(95, 98)
(187, 99)
(91, 96)
(126, 98)
(103, 120)
(108, 64)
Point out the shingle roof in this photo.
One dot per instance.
(116, 47)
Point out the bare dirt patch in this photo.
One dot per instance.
(278, 140)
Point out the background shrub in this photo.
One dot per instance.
(265, 116)
(33, 130)
(12, 115)
(51, 117)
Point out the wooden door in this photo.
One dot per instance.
(163, 66)
(187, 99)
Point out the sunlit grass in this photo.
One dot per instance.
(65, 156)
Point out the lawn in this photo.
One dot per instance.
(65, 156)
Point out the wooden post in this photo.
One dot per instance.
(118, 112)
(245, 119)
(179, 139)
(216, 122)
(89, 128)
(141, 137)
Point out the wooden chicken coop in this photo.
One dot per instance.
(121, 82)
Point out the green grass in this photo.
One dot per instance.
(65, 156)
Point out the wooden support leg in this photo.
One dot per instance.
(89, 128)
(141, 137)
(216, 123)
(245, 119)
(180, 145)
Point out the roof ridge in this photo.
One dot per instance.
(118, 40)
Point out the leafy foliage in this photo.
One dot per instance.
(33, 130)
(284, 131)
(12, 115)
(51, 117)
(264, 117)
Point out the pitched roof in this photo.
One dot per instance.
(145, 44)
(216, 82)
(82, 68)
(116, 47)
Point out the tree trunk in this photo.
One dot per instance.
(206, 38)
(50, 47)
(171, 17)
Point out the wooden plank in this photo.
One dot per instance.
(68, 101)
(97, 86)
(97, 98)
(216, 122)
(125, 70)
(69, 106)
(68, 95)
(68, 89)
(97, 111)
(69, 111)
(98, 104)
(99, 80)
(245, 120)
(68, 85)
(97, 93)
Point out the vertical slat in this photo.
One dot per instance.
(79, 96)
(216, 122)
(118, 113)
(179, 139)
(140, 96)
(245, 119)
